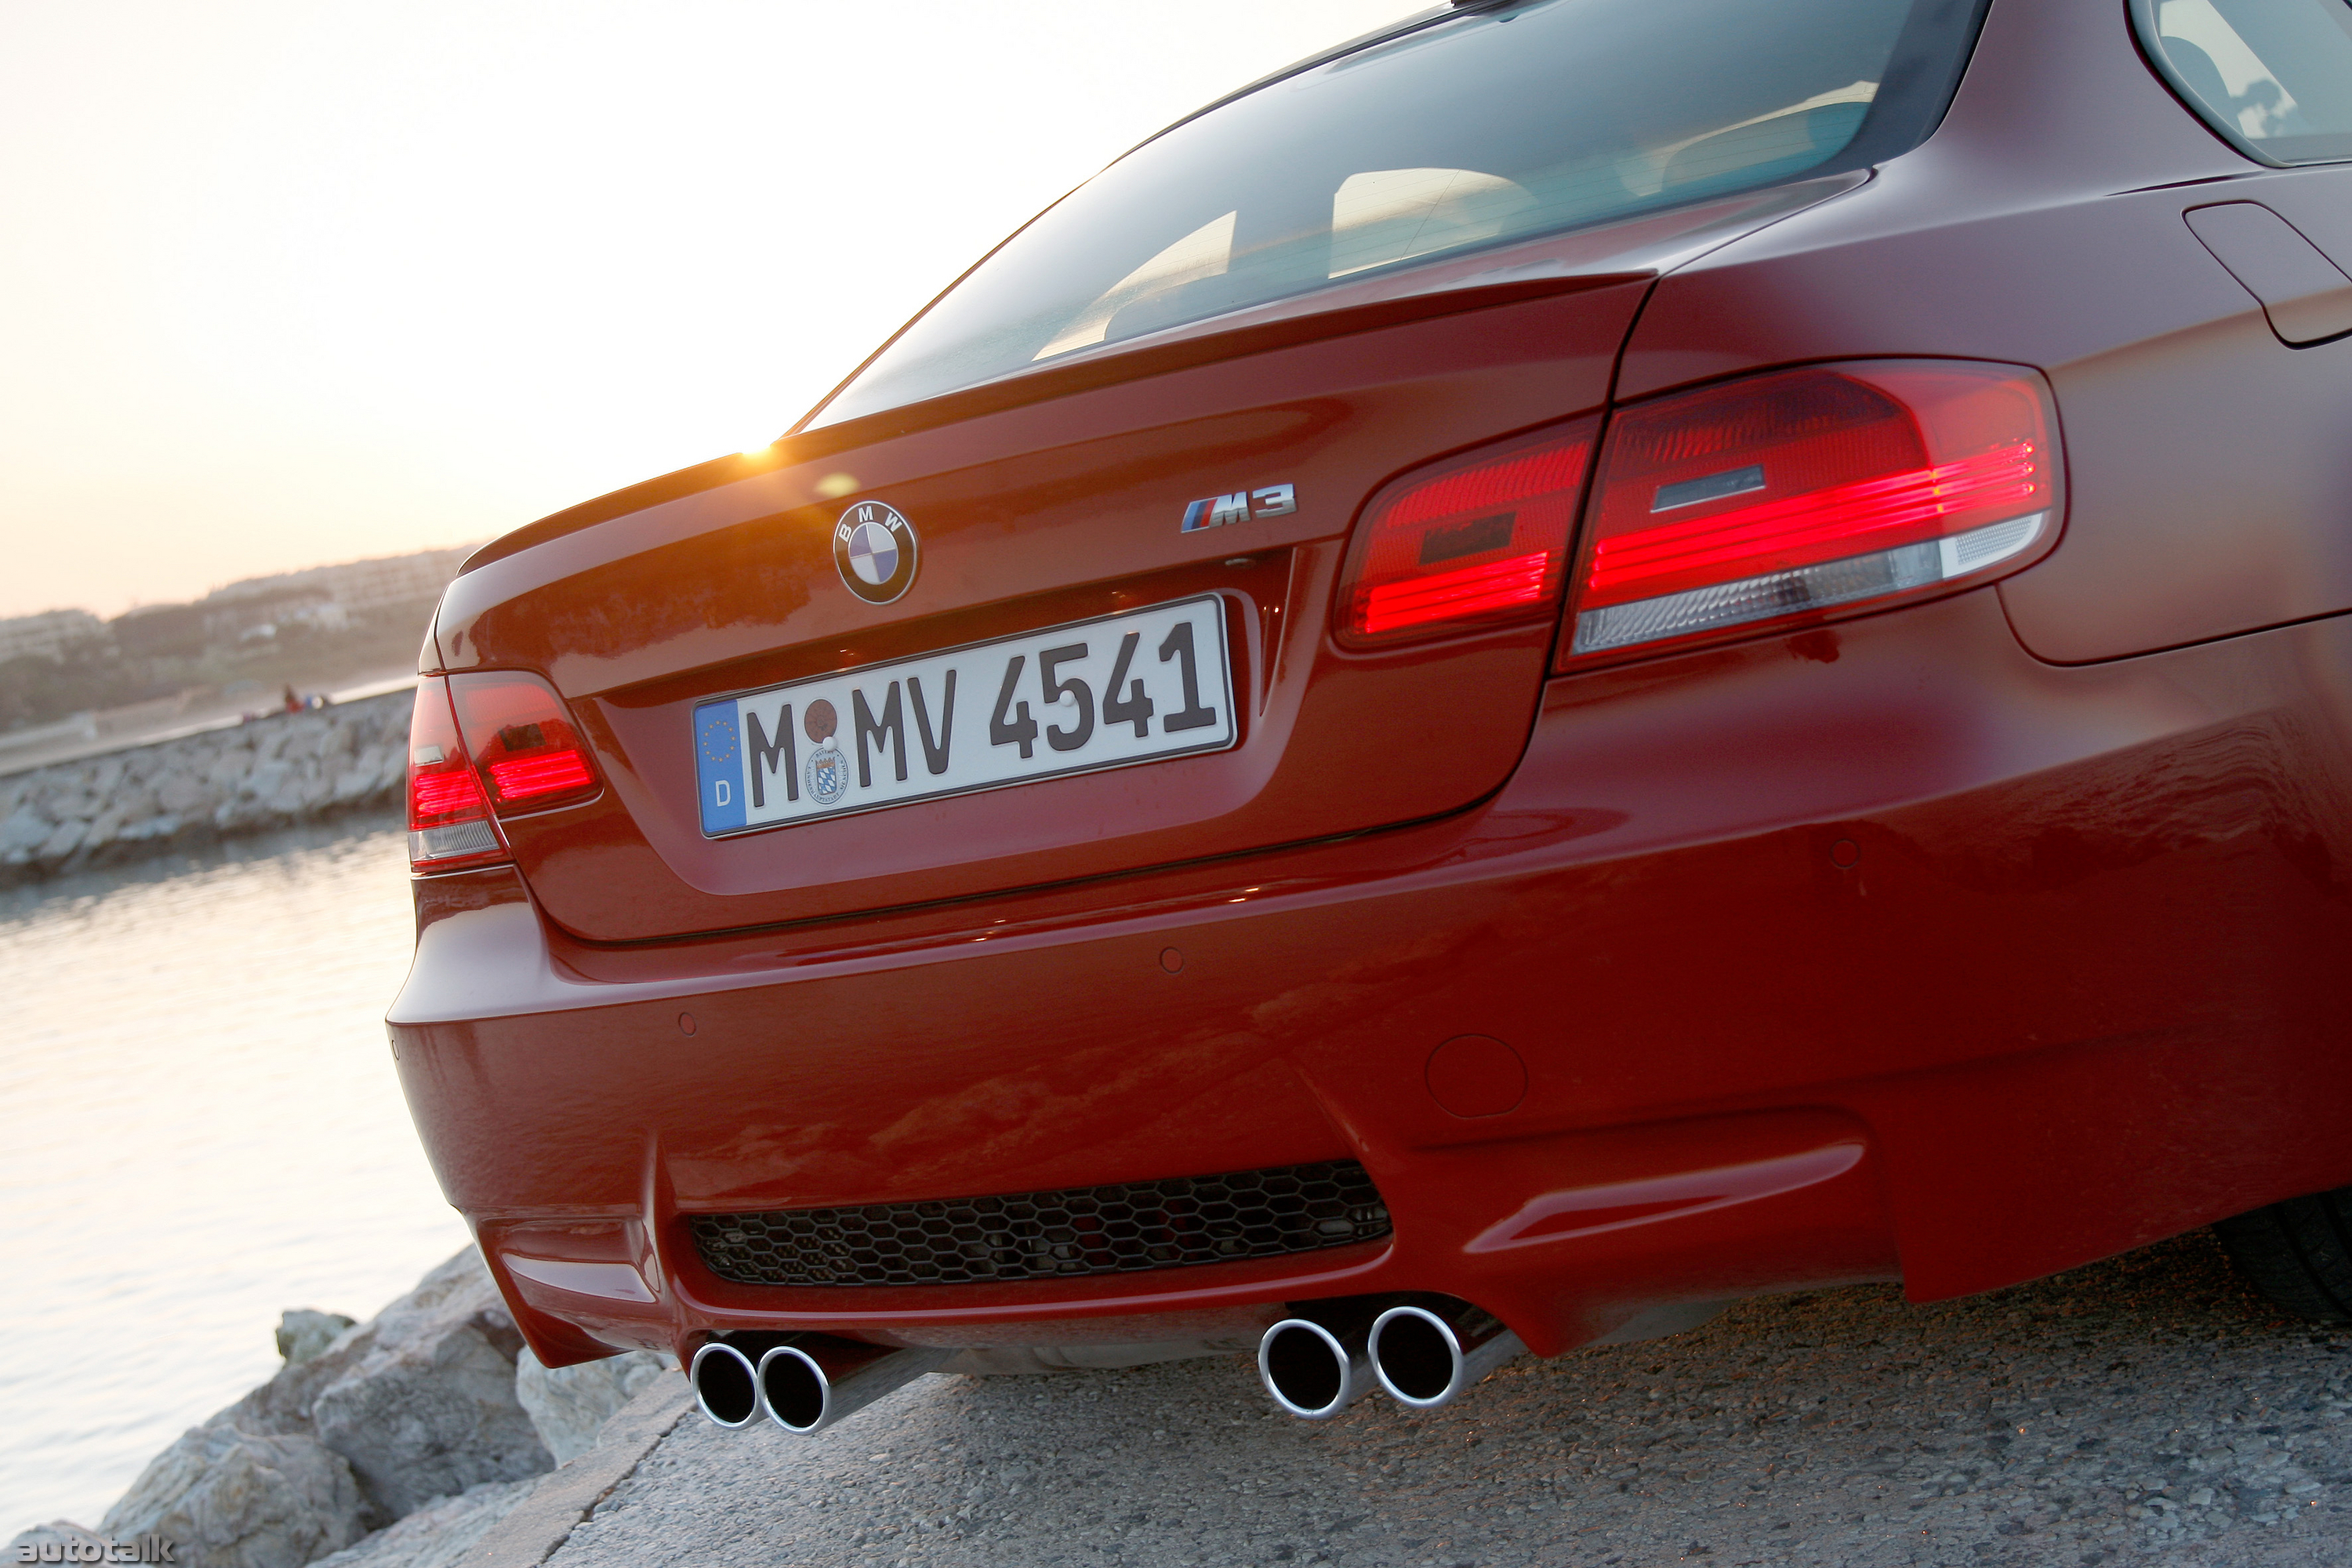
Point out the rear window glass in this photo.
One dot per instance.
(2273, 77)
(1467, 130)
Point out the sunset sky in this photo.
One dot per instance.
(289, 283)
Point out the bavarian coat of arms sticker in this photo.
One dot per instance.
(827, 772)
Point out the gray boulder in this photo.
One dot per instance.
(24, 829)
(62, 842)
(240, 1500)
(303, 1334)
(421, 1399)
(412, 1414)
(437, 1535)
(422, 1402)
(570, 1405)
(181, 792)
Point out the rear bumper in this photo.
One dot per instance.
(1879, 951)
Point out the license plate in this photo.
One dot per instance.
(1106, 693)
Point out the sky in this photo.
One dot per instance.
(288, 283)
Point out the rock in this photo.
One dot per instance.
(421, 1400)
(181, 792)
(229, 1499)
(102, 832)
(412, 1414)
(292, 799)
(61, 842)
(570, 1405)
(60, 1533)
(302, 1334)
(265, 780)
(437, 1535)
(24, 829)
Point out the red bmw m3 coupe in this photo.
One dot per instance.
(1579, 659)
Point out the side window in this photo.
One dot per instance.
(2273, 77)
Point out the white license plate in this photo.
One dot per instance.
(1105, 693)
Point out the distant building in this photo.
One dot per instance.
(159, 631)
(354, 586)
(45, 636)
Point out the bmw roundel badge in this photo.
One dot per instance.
(874, 551)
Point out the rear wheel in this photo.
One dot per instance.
(2298, 1253)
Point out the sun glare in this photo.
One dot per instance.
(368, 281)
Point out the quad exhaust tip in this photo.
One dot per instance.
(726, 1385)
(1423, 1356)
(1315, 1372)
(803, 1384)
(1426, 1358)
(795, 1391)
(809, 1386)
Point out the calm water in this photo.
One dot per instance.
(202, 1129)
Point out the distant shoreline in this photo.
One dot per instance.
(145, 723)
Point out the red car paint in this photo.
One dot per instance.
(1955, 942)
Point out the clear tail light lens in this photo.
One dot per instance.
(484, 746)
(1467, 543)
(1788, 496)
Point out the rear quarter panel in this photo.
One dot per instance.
(2207, 465)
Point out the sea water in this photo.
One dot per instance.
(202, 1128)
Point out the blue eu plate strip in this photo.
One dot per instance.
(719, 766)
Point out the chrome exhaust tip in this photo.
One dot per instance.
(1426, 1356)
(812, 1384)
(1314, 1372)
(726, 1385)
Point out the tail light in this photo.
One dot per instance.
(448, 820)
(483, 747)
(1786, 496)
(1468, 543)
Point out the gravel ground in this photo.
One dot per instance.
(2148, 1409)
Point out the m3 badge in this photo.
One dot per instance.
(1216, 511)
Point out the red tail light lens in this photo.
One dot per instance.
(1792, 494)
(526, 751)
(448, 821)
(1471, 543)
(482, 746)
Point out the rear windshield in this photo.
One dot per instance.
(1465, 130)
